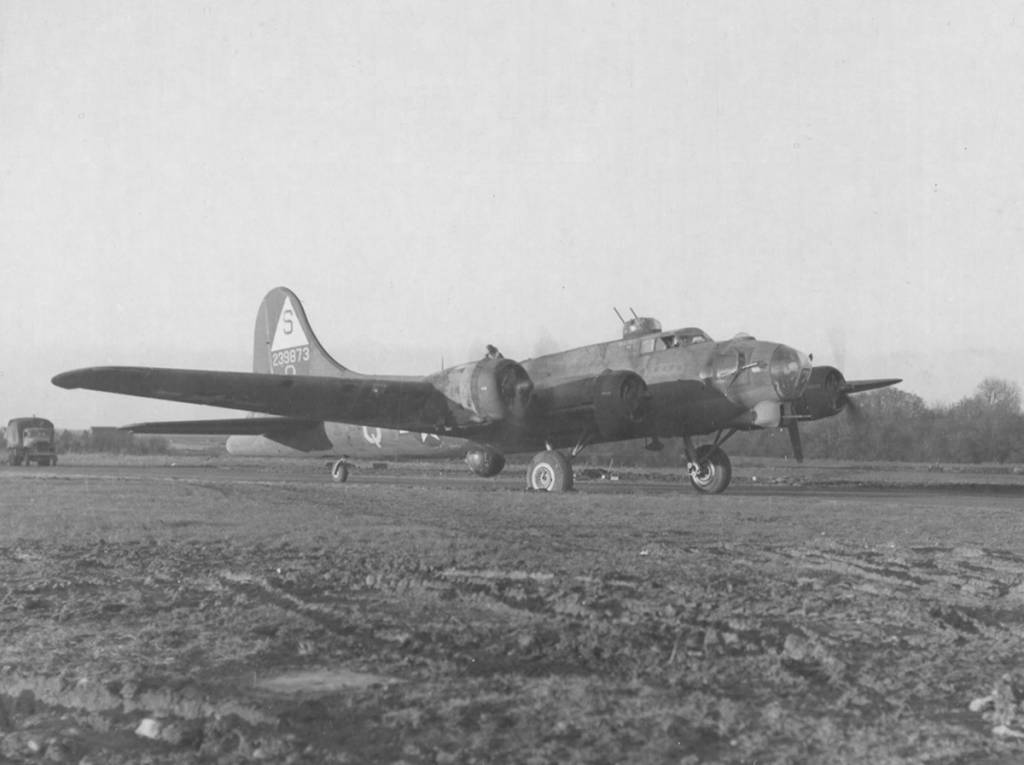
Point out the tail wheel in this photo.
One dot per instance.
(713, 470)
(549, 471)
(339, 471)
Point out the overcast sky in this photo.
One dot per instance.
(845, 177)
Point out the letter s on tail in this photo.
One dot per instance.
(284, 343)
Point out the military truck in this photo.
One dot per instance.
(30, 439)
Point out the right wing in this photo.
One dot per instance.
(384, 402)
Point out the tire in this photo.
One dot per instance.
(339, 471)
(549, 471)
(715, 470)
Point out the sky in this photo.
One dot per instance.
(428, 177)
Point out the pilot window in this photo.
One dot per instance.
(690, 337)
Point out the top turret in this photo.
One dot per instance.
(640, 325)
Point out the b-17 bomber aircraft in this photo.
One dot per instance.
(649, 384)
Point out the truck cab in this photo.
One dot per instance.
(30, 439)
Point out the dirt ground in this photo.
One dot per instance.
(149, 617)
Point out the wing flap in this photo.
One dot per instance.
(402, 403)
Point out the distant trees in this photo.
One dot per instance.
(987, 427)
(110, 440)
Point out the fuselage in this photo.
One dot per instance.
(355, 441)
(696, 385)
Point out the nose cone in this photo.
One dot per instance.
(789, 370)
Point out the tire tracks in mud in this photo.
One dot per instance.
(795, 630)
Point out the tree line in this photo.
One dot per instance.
(110, 441)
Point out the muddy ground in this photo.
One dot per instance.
(146, 617)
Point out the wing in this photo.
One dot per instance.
(295, 433)
(402, 403)
(242, 426)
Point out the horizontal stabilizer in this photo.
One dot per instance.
(859, 386)
(401, 403)
(241, 426)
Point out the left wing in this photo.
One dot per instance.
(385, 402)
(241, 426)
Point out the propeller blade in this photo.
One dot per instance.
(853, 410)
(859, 386)
(794, 440)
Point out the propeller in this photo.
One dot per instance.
(848, 387)
(828, 393)
(794, 440)
(852, 408)
(838, 394)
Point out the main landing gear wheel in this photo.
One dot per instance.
(339, 471)
(549, 471)
(712, 470)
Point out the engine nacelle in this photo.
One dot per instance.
(621, 405)
(823, 396)
(618, 402)
(485, 462)
(490, 390)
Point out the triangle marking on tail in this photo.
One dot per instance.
(289, 332)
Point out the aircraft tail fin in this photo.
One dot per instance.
(284, 343)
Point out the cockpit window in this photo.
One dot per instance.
(689, 337)
(678, 339)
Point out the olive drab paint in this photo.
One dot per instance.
(649, 384)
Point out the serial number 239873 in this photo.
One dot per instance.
(289, 356)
